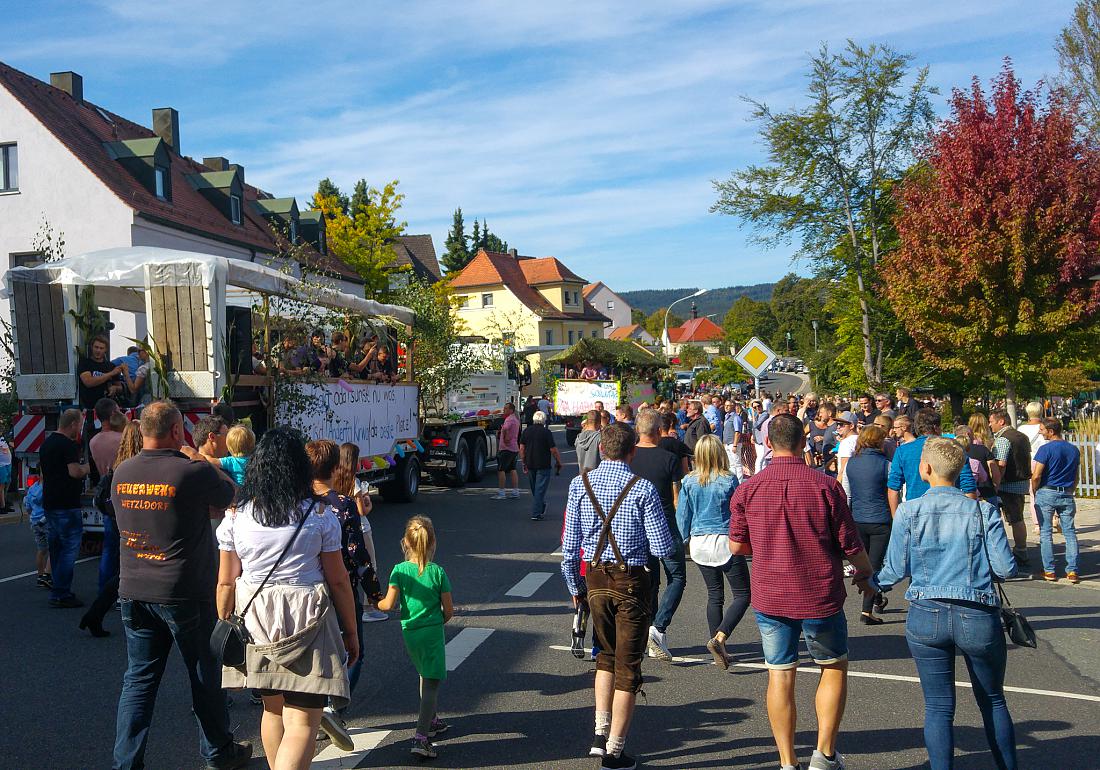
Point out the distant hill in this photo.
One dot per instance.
(714, 301)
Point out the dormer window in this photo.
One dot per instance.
(160, 182)
(235, 209)
(9, 167)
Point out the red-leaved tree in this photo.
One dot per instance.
(1000, 234)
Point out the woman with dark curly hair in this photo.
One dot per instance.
(280, 532)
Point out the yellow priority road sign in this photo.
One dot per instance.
(755, 357)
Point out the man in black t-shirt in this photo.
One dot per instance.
(96, 377)
(664, 470)
(536, 448)
(62, 484)
(169, 568)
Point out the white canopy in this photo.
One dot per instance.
(135, 267)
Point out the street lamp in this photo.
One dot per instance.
(815, 335)
(664, 336)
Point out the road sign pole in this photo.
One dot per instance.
(757, 381)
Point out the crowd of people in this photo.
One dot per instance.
(802, 485)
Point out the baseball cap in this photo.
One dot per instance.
(849, 417)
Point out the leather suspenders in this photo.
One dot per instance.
(606, 535)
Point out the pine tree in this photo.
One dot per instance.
(326, 188)
(457, 255)
(476, 240)
(360, 198)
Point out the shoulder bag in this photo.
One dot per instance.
(230, 638)
(1015, 624)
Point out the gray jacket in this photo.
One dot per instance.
(588, 449)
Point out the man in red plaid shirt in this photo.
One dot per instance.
(796, 524)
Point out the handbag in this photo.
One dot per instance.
(1017, 627)
(230, 638)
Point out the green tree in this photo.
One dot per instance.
(326, 188)
(796, 303)
(475, 239)
(654, 324)
(827, 164)
(692, 355)
(1079, 57)
(637, 316)
(458, 254)
(360, 198)
(748, 318)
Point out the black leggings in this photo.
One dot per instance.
(875, 538)
(736, 571)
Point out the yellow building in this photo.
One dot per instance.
(538, 303)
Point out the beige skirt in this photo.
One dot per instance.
(298, 647)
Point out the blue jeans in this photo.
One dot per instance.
(540, 482)
(826, 639)
(676, 576)
(151, 630)
(934, 629)
(108, 560)
(65, 528)
(1047, 503)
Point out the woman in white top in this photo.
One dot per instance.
(277, 527)
(703, 515)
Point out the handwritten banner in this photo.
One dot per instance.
(638, 393)
(370, 416)
(576, 397)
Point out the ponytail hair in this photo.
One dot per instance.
(419, 542)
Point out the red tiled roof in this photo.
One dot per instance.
(591, 288)
(491, 268)
(696, 330)
(546, 270)
(84, 129)
(628, 332)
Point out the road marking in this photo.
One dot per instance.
(34, 572)
(890, 677)
(364, 738)
(557, 552)
(526, 588)
(467, 640)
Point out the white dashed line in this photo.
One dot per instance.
(889, 677)
(33, 573)
(467, 640)
(333, 758)
(526, 588)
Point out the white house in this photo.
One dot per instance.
(103, 181)
(610, 304)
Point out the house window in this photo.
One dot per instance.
(549, 337)
(294, 231)
(487, 300)
(9, 168)
(593, 333)
(235, 209)
(463, 301)
(571, 336)
(160, 182)
(611, 304)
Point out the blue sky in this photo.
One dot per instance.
(585, 130)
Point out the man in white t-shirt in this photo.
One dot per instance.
(1033, 429)
(846, 445)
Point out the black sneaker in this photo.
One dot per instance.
(68, 603)
(238, 757)
(599, 746)
(45, 581)
(537, 517)
(621, 762)
(423, 748)
(576, 646)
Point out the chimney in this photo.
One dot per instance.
(70, 83)
(166, 125)
(513, 253)
(238, 168)
(217, 163)
(694, 310)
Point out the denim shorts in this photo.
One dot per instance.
(826, 639)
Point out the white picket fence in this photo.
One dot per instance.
(1088, 480)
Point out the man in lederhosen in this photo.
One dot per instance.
(617, 519)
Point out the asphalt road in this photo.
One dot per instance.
(516, 700)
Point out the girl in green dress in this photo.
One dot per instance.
(425, 595)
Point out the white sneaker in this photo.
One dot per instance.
(820, 762)
(374, 616)
(499, 496)
(513, 494)
(657, 647)
(336, 730)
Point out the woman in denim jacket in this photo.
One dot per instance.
(953, 548)
(703, 515)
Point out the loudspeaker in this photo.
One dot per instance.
(238, 328)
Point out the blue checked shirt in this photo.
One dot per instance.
(640, 526)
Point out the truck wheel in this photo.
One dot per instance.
(404, 487)
(462, 465)
(480, 457)
(571, 436)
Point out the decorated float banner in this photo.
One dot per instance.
(373, 417)
(574, 398)
(638, 393)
